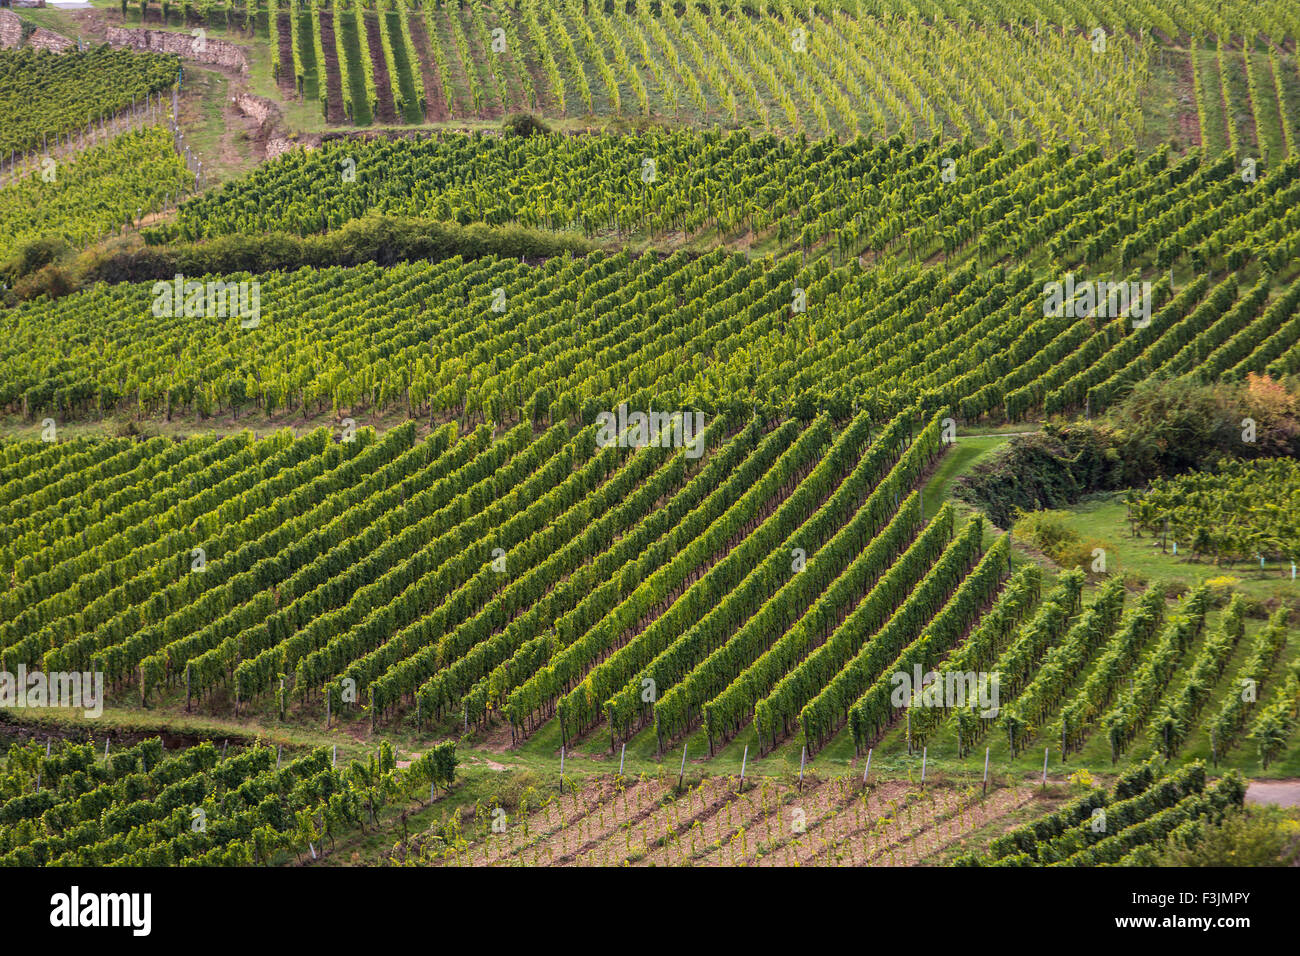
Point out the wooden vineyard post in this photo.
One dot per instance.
(924, 753)
(803, 756)
(681, 772)
(868, 769)
(986, 770)
(561, 768)
(622, 754)
(1045, 751)
(744, 758)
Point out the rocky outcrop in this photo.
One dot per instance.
(208, 50)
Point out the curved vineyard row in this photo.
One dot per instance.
(1127, 826)
(145, 806)
(709, 334)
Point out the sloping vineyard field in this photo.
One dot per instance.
(785, 575)
(855, 199)
(44, 95)
(95, 192)
(1123, 826)
(683, 491)
(706, 333)
(950, 68)
(840, 821)
(1241, 512)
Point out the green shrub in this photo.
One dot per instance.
(1048, 469)
(384, 240)
(1164, 428)
(1050, 533)
(524, 124)
(1250, 836)
(1045, 530)
(51, 280)
(34, 255)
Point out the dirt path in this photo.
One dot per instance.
(435, 99)
(1284, 793)
(333, 83)
(385, 111)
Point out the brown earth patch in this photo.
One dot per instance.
(385, 111)
(435, 98)
(287, 80)
(334, 112)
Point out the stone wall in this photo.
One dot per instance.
(44, 39)
(214, 52)
(11, 30)
(269, 121)
(258, 107)
(11, 35)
